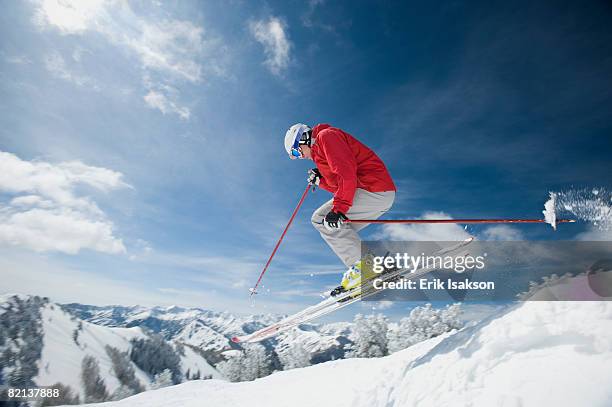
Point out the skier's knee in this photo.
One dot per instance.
(317, 220)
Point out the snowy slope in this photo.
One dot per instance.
(173, 322)
(198, 334)
(534, 354)
(193, 362)
(61, 356)
(541, 353)
(66, 340)
(212, 331)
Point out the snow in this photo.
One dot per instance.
(4, 298)
(593, 206)
(531, 354)
(336, 328)
(199, 335)
(325, 384)
(193, 363)
(309, 338)
(61, 356)
(550, 215)
(206, 329)
(583, 287)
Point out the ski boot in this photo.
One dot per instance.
(352, 278)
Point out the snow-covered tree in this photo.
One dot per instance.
(256, 362)
(163, 379)
(75, 337)
(93, 385)
(66, 397)
(122, 392)
(250, 364)
(369, 337)
(123, 369)
(292, 353)
(154, 355)
(21, 339)
(231, 368)
(423, 323)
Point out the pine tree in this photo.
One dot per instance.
(293, 355)
(154, 355)
(256, 363)
(369, 337)
(250, 364)
(93, 385)
(423, 323)
(66, 397)
(231, 368)
(123, 369)
(21, 339)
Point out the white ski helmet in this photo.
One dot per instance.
(293, 135)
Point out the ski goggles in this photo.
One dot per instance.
(296, 151)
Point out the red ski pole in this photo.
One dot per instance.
(463, 221)
(295, 211)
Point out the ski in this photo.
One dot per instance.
(332, 304)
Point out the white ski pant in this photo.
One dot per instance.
(345, 242)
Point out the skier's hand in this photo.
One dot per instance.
(314, 177)
(333, 220)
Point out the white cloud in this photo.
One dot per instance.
(77, 54)
(45, 213)
(140, 249)
(277, 47)
(170, 48)
(157, 100)
(70, 17)
(56, 65)
(309, 20)
(56, 181)
(31, 200)
(307, 16)
(60, 229)
(502, 232)
(595, 234)
(425, 232)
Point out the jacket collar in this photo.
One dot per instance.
(319, 128)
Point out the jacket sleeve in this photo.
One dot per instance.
(323, 185)
(342, 163)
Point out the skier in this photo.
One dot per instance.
(360, 182)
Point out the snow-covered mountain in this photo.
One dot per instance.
(169, 321)
(511, 356)
(211, 332)
(42, 344)
(533, 354)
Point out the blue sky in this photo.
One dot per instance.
(142, 141)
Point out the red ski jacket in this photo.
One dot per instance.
(347, 164)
